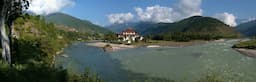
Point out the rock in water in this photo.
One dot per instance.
(108, 48)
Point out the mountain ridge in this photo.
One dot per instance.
(247, 28)
(198, 24)
(78, 24)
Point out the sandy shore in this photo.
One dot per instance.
(247, 52)
(158, 44)
(115, 47)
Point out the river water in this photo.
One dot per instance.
(184, 64)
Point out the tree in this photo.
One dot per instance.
(110, 37)
(10, 10)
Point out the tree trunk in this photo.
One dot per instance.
(11, 27)
(5, 41)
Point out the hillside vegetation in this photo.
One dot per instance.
(251, 44)
(193, 28)
(78, 24)
(34, 47)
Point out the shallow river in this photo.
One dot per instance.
(180, 64)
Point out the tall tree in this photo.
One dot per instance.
(10, 10)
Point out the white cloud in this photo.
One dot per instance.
(227, 18)
(155, 14)
(187, 8)
(45, 7)
(181, 10)
(120, 18)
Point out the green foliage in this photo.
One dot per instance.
(31, 64)
(211, 79)
(247, 44)
(42, 73)
(28, 73)
(110, 37)
(87, 76)
(33, 51)
(188, 36)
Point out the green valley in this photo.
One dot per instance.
(127, 41)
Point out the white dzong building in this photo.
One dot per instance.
(129, 35)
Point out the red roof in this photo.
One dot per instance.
(129, 30)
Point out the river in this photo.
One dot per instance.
(184, 64)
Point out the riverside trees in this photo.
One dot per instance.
(10, 10)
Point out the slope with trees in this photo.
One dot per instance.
(34, 47)
(78, 24)
(193, 28)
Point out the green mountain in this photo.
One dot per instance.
(78, 24)
(248, 28)
(195, 24)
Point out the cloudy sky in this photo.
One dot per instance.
(106, 12)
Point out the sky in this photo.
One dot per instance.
(106, 12)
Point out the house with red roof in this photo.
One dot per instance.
(129, 35)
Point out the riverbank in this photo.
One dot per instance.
(115, 47)
(247, 52)
(159, 43)
(150, 44)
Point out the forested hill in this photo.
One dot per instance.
(193, 28)
(80, 25)
(197, 24)
(34, 27)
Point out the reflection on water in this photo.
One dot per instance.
(188, 63)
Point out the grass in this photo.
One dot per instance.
(247, 44)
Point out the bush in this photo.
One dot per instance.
(247, 44)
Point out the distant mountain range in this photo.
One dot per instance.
(197, 24)
(138, 26)
(78, 24)
(192, 24)
(248, 28)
